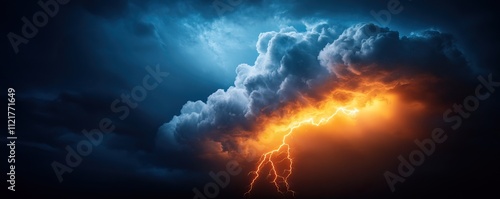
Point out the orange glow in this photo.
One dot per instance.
(358, 104)
(267, 158)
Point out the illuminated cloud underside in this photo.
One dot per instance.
(308, 77)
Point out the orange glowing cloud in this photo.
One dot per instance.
(357, 105)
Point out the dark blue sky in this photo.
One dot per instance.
(91, 52)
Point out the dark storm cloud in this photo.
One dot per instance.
(76, 66)
(92, 51)
(68, 75)
(428, 51)
(466, 21)
(287, 61)
(292, 64)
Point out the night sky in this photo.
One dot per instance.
(169, 93)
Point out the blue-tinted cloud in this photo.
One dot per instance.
(292, 65)
(93, 51)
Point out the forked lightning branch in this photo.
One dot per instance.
(11, 139)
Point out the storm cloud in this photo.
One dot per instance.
(292, 65)
(228, 70)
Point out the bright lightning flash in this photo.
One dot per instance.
(282, 153)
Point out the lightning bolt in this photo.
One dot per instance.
(274, 157)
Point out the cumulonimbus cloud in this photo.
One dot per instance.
(292, 65)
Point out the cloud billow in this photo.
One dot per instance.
(292, 65)
(429, 51)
